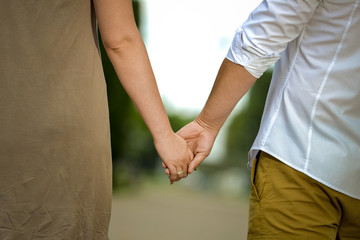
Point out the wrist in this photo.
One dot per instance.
(212, 127)
(163, 135)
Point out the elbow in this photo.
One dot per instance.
(118, 44)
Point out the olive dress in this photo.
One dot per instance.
(55, 158)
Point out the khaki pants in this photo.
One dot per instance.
(287, 204)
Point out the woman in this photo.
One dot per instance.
(55, 162)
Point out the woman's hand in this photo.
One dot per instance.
(176, 155)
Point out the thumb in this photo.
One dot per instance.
(188, 131)
(182, 132)
(196, 162)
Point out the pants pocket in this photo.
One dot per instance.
(259, 175)
(254, 192)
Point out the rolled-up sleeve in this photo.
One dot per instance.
(258, 43)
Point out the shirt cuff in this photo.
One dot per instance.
(247, 54)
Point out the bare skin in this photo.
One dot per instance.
(231, 84)
(128, 55)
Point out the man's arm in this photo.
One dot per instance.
(256, 46)
(231, 83)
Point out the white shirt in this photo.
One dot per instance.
(311, 119)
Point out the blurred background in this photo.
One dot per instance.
(187, 41)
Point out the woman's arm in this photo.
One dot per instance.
(128, 55)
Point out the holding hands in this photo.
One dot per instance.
(184, 151)
(199, 139)
(175, 154)
(231, 83)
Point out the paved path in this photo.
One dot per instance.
(172, 212)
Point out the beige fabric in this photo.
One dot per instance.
(55, 160)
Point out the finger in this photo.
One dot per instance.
(185, 166)
(191, 154)
(187, 131)
(173, 174)
(180, 172)
(181, 133)
(175, 180)
(167, 171)
(196, 162)
(185, 170)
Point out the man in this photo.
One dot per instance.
(307, 168)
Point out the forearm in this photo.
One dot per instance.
(133, 68)
(128, 55)
(231, 83)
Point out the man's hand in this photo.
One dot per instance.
(231, 83)
(200, 139)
